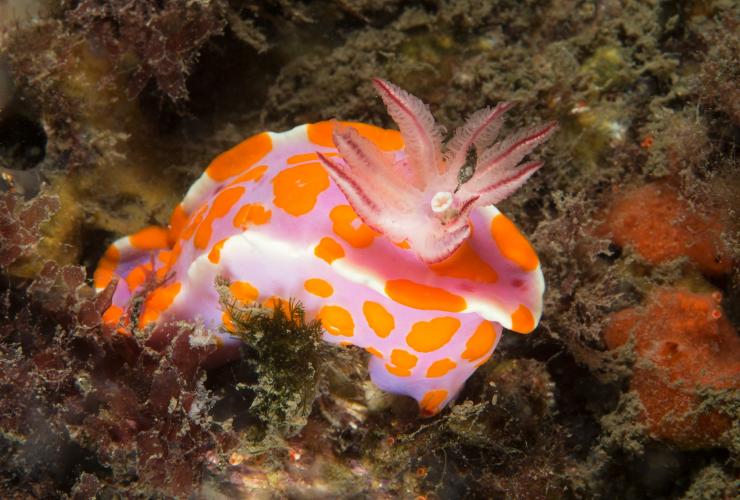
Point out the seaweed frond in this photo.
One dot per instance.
(285, 351)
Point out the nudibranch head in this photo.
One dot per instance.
(417, 197)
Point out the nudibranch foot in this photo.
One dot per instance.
(440, 374)
(370, 229)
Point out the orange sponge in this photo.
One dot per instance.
(662, 227)
(683, 344)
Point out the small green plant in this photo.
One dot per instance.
(285, 351)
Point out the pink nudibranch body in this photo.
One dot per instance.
(369, 229)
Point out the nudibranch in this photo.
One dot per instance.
(370, 229)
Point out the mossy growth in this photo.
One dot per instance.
(286, 353)
(607, 69)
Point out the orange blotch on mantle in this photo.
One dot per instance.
(401, 363)
(431, 402)
(428, 336)
(387, 140)
(421, 296)
(378, 318)
(239, 158)
(337, 321)
(480, 342)
(466, 264)
(512, 244)
(348, 226)
(328, 250)
(296, 189)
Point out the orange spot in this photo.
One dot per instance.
(387, 140)
(480, 342)
(228, 322)
(379, 319)
(522, 320)
(318, 287)
(149, 238)
(253, 174)
(106, 266)
(321, 133)
(420, 296)
(159, 300)
(195, 221)
(403, 244)
(303, 158)
(404, 361)
(466, 264)
(176, 251)
(343, 218)
(307, 157)
(337, 321)
(215, 254)
(275, 301)
(374, 352)
(431, 401)
(398, 372)
(240, 157)
(161, 273)
(512, 244)
(167, 259)
(440, 368)
(178, 220)
(428, 336)
(164, 256)
(243, 292)
(251, 214)
(296, 189)
(219, 208)
(137, 276)
(112, 315)
(328, 250)
(102, 277)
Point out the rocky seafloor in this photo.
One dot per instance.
(629, 387)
